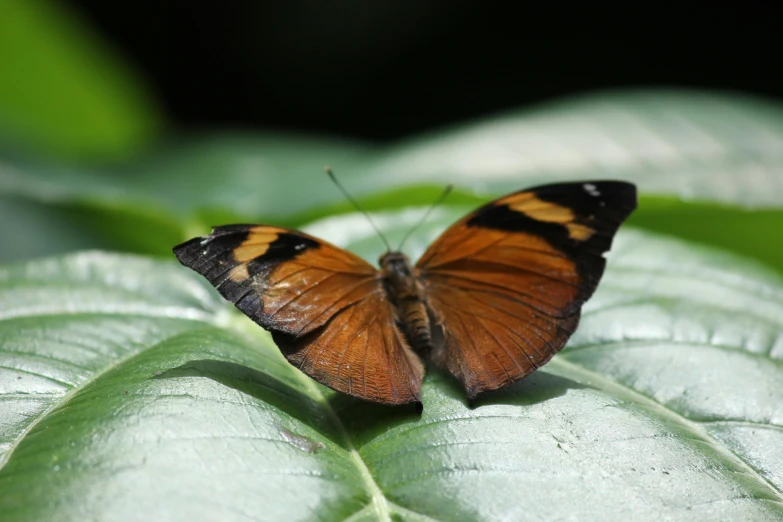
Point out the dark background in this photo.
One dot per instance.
(384, 70)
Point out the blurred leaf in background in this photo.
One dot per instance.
(63, 92)
(66, 98)
(707, 165)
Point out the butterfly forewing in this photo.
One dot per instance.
(325, 307)
(505, 285)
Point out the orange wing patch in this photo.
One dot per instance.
(239, 273)
(529, 204)
(505, 263)
(257, 243)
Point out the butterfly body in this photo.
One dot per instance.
(406, 292)
(490, 301)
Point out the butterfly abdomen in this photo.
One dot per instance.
(416, 325)
(407, 296)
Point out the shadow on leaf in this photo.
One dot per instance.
(262, 386)
(354, 413)
(537, 387)
(364, 420)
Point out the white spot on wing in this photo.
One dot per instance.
(591, 189)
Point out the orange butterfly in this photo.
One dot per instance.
(491, 300)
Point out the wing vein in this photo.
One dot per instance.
(423, 261)
(525, 341)
(220, 275)
(316, 317)
(324, 345)
(517, 334)
(365, 326)
(389, 365)
(300, 294)
(505, 294)
(522, 318)
(513, 359)
(304, 267)
(492, 268)
(473, 344)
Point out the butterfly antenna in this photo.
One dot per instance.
(358, 207)
(426, 214)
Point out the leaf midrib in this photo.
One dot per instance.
(198, 316)
(653, 405)
(642, 343)
(378, 499)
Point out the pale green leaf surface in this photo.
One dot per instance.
(721, 154)
(239, 174)
(33, 229)
(133, 392)
(692, 145)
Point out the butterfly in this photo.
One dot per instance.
(490, 301)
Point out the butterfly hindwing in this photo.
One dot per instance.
(506, 284)
(325, 307)
(361, 352)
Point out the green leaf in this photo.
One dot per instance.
(64, 92)
(746, 231)
(132, 392)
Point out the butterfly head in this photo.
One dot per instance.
(396, 261)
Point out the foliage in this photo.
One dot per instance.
(132, 391)
(129, 390)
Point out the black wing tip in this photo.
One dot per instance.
(614, 184)
(617, 187)
(187, 252)
(615, 191)
(222, 230)
(191, 250)
(620, 194)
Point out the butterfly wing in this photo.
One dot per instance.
(506, 284)
(325, 307)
